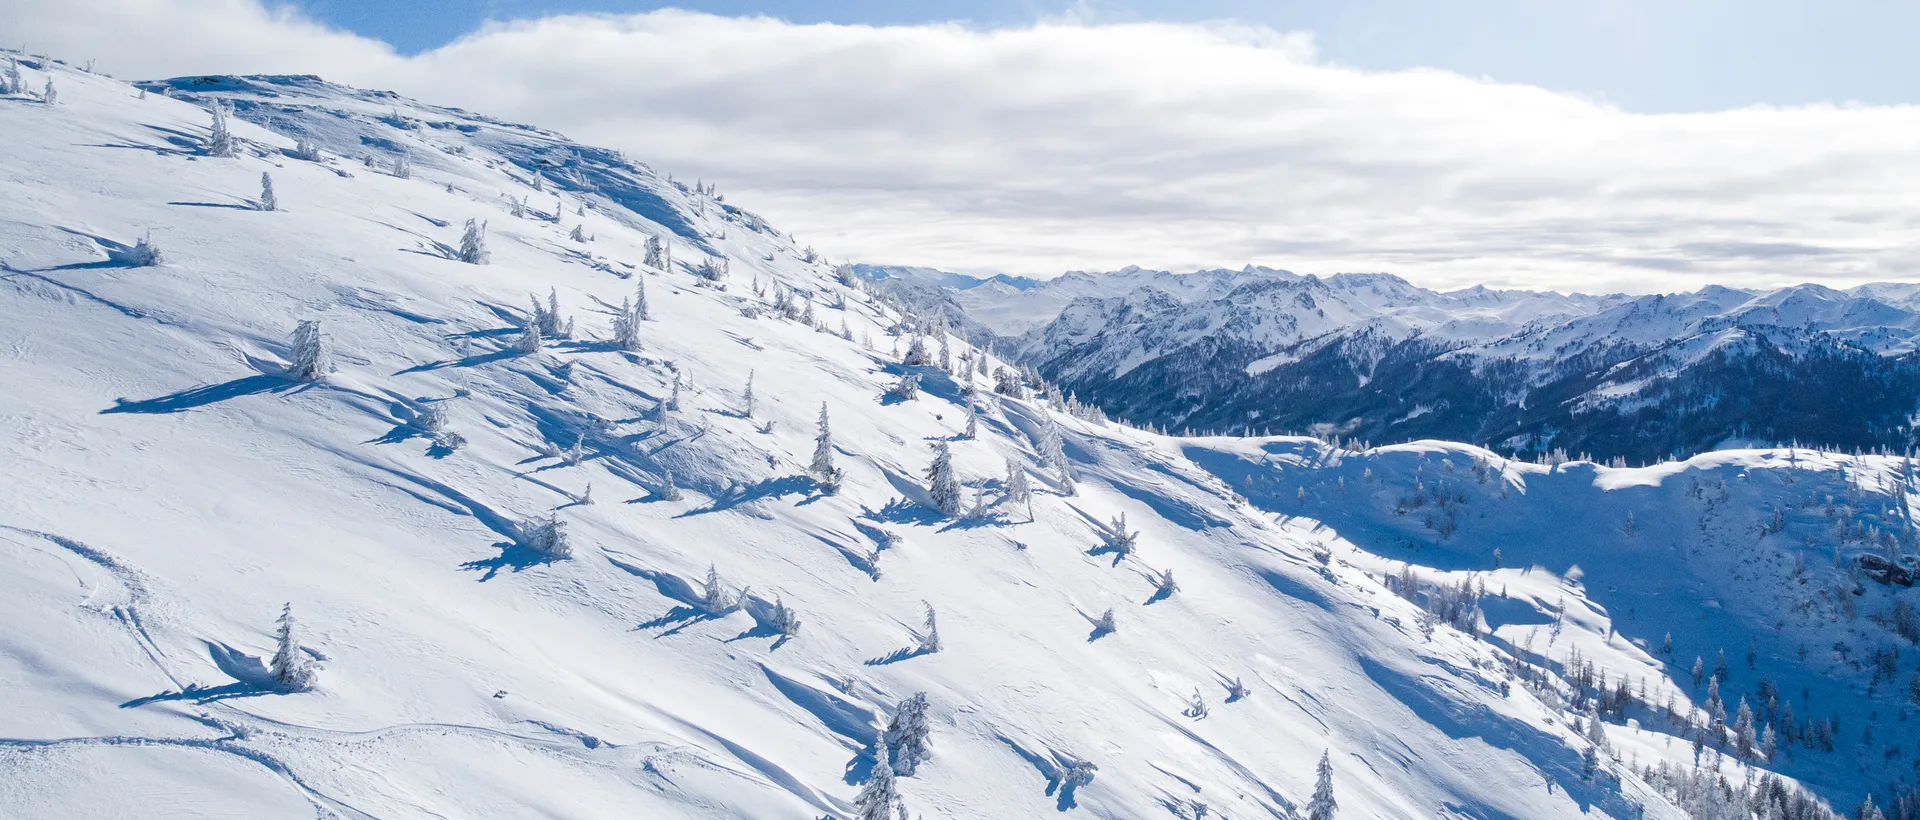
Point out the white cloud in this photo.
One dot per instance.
(1076, 145)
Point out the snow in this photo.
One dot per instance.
(166, 489)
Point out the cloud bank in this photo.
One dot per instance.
(1075, 145)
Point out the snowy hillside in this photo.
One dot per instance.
(1372, 357)
(496, 542)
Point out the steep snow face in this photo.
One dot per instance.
(1792, 565)
(496, 544)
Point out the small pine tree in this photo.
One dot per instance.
(1237, 691)
(626, 328)
(1105, 624)
(1053, 453)
(311, 359)
(941, 483)
(907, 734)
(917, 354)
(784, 620)
(880, 797)
(822, 467)
(529, 342)
(268, 201)
(668, 490)
(973, 422)
(908, 389)
(473, 243)
(402, 166)
(548, 537)
(714, 598)
(930, 635)
(579, 233)
(292, 670)
(219, 136)
(1019, 489)
(746, 400)
(640, 308)
(50, 95)
(655, 254)
(14, 84)
(673, 400)
(1197, 708)
(1164, 586)
(144, 253)
(1322, 806)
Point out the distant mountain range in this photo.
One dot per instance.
(1374, 357)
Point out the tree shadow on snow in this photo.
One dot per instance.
(250, 679)
(513, 555)
(204, 395)
(1053, 766)
(742, 494)
(234, 206)
(902, 654)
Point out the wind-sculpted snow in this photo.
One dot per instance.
(532, 588)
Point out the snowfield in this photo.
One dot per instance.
(165, 487)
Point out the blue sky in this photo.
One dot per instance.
(1643, 55)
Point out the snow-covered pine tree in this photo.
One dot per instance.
(306, 149)
(1322, 806)
(579, 233)
(930, 634)
(219, 137)
(941, 483)
(311, 361)
(402, 166)
(655, 254)
(908, 389)
(746, 399)
(1079, 775)
(880, 797)
(1237, 691)
(640, 309)
(50, 95)
(432, 418)
(714, 598)
(1105, 625)
(548, 537)
(529, 341)
(268, 201)
(713, 269)
(822, 467)
(1118, 539)
(907, 734)
(292, 670)
(144, 253)
(784, 620)
(626, 328)
(972, 431)
(668, 490)
(844, 273)
(1053, 453)
(673, 399)
(14, 84)
(1019, 489)
(1196, 708)
(473, 243)
(1163, 584)
(917, 355)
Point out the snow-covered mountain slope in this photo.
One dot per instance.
(1637, 377)
(168, 485)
